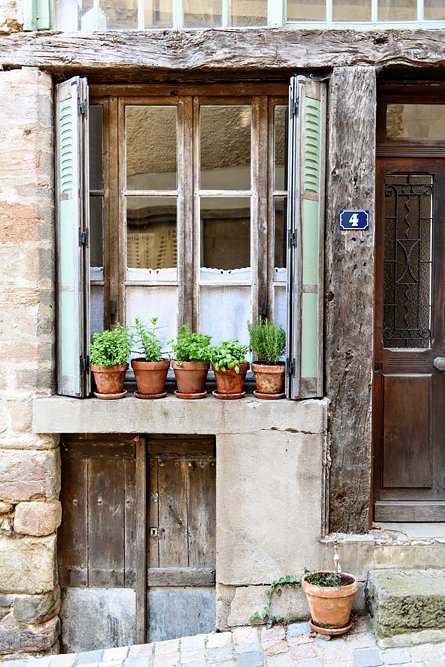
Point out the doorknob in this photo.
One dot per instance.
(439, 364)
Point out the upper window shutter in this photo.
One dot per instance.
(305, 229)
(72, 228)
(37, 14)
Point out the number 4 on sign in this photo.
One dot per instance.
(353, 220)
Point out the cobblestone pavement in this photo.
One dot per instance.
(254, 647)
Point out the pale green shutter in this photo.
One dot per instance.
(72, 226)
(37, 14)
(306, 179)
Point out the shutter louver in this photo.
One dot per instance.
(72, 223)
(305, 224)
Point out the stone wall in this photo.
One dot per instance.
(11, 16)
(30, 511)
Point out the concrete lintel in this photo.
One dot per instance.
(58, 414)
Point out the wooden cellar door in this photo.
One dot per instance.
(181, 537)
(136, 511)
(409, 388)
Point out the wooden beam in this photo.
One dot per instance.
(350, 295)
(141, 542)
(139, 52)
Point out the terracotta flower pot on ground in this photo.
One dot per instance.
(330, 606)
(229, 381)
(269, 379)
(109, 380)
(150, 376)
(190, 377)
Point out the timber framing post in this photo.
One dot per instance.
(350, 295)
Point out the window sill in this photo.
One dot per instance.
(59, 414)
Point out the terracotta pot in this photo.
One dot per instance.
(191, 376)
(269, 379)
(150, 375)
(231, 382)
(330, 606)
(109, 379)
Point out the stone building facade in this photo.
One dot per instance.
(293, 478)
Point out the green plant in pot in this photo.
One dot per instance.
(191, 362)
(109, 352)
(330, 595)
(230, 366)
(268, 341)
(150, 370)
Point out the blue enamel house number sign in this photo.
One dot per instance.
(354, 219)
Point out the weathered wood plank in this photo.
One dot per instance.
(106, 529)
(135, 51)
(153, 514)
(181, 576)
(73, 550)
(141, 541)
(201, 513)
(350, 295)
(172, 476)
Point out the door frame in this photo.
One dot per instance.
(433, 94)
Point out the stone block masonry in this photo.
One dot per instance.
(30, 511)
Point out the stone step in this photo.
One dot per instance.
(407, 606)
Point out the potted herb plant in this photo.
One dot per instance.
(268, 341)
(330, 596)
(150, 370)
(109, 352)
(191, 362)
(230, 366)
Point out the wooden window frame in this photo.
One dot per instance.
(262, 98)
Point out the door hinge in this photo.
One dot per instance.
(83, 237)
(81, 108)
(294, 107)
(290, 366)
(84, 364)
(292, 238)
(378, 367)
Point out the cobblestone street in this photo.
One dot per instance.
(255, 647)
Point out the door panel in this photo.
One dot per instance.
(402, 466)
(408, 391)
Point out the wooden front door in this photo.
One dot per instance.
(409, 386)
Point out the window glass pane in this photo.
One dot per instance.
(202, 13)
(96, 231)
(160, 301)
(120, 13)
(407, 261)
(351, 10)
(434, 10)
(306, 10)
(225, 147)
(280, 308)
(415, 121)
(280, 122)
(225, 233)
(280, 232)
(397, 10)
(224, 312)
(96, 308)
(150, 134)
(151, 232)
(247, 12)
(158, 13)
(96, 147)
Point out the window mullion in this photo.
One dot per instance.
(119, 242)
(195, 253)
(185, 210)
(275, 13)
(259, 250)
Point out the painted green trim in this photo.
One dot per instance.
(309, 335)
(68, 338)
(37, 14)
(312, 145)
(311, 241)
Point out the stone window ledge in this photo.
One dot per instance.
(58, 414)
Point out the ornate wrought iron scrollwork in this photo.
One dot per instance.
(407, 260)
